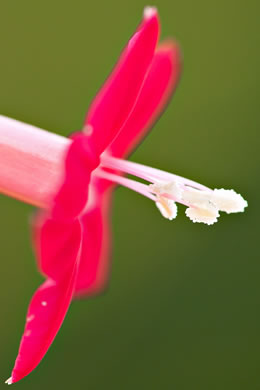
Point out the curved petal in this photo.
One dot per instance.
(47, 310)
(56, 245)
(115, 100)
(158, 87)
(94, 263)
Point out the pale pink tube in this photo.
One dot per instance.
(30, 161)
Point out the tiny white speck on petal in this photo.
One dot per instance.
(28, 333)
(149, 12)
(9, 381)
(30, 318)
(88, 130)
(43, 303)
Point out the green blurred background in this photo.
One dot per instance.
(182, 310)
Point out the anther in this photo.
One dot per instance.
(172, 188)
(167, 207)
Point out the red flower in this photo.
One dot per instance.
(72, 236)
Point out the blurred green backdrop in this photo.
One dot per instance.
(182, 310)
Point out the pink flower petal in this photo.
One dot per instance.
(47, 310)
(158, 87)
(56, 245)
(94, 264)
(116, 98)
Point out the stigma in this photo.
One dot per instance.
(166, 189)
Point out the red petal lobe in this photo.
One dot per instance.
(94, 263)
(115, 100)
(159, 84)
(46, 313)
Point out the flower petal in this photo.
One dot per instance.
(115, 100)
(47, 310)
(95, 255)
(158, 87)
(56, 245)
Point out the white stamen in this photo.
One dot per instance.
(165, 189)
(167, 207)
(207, 215)
(228, 201)
(44, 303)
(149, 12)
(172, 188)
(196, 197)
(149, 174)
(124, 181)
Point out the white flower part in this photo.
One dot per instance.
(167, 208)
(171, 188)
(228, 201)
(9, 381)
(207, 215)
(149, 12)
(30, 318)
(196, 197)
(220, 199)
